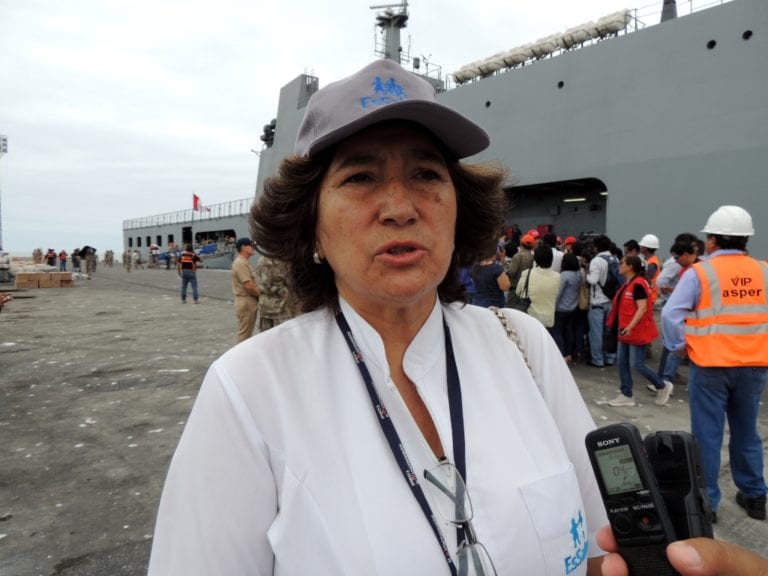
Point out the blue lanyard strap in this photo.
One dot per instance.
(393, 438)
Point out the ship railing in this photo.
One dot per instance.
(212, 212)
(611, 25)
(651, 14)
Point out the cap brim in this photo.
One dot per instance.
(459, 135)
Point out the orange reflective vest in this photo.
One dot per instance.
(188, 261)
(652, 281)
(729, 326)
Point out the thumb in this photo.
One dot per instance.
(709, 557)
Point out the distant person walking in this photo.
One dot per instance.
(63, 260)
(76, 260)
(50, 257)
(717, 316)
(90, 260)
(632, 313)
(245, 289)
(187, 265)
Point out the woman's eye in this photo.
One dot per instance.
(428, 175)
(357, 178)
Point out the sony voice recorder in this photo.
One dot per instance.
(635, 506)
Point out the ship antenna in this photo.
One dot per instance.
(391, 19)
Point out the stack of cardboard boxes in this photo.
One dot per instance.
(44, 280)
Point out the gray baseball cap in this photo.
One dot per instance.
(382, 91)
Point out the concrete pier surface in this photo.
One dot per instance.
(96, 383)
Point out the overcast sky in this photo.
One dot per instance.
(116, 109)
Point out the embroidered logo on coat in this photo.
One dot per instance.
(384, 93)
(580, 544)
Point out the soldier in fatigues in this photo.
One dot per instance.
(275, 305)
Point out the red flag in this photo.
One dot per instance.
(197, 204)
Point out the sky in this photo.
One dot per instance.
(118, 109)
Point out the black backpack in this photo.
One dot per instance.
(613, 278)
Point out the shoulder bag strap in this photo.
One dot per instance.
(527, 280)
(511, 333)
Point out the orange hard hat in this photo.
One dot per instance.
(528, 241)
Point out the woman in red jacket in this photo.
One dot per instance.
(636, 327)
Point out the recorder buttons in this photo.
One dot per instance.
(622, 524)
(648, 522)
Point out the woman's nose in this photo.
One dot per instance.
(397, 203)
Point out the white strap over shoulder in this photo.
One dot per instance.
(511, 333)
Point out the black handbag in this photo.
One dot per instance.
(524, 302)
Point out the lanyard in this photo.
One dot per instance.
(393, 438)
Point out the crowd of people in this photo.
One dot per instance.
(596, 299)
(73, 261)
(350, 439)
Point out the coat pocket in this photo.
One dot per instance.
(557, 514)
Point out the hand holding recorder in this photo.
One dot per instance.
(653, 493)
(696, 557)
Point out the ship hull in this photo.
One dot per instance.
(647, 132)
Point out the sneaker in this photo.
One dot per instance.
(652, 388)
(755, 507)
(662, 396)
(622, 400)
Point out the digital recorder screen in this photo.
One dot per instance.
(617, 466)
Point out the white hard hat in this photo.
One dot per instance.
(650, 241)
(729, 221)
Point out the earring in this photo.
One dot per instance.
(316, 258)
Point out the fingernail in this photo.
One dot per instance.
(688, 554)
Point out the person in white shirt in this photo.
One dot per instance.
(599, 303)
(327, 444)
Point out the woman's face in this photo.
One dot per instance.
(386, 217)
(625, 269)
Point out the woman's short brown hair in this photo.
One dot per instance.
(284, 220)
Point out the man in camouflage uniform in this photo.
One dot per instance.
(275, 305)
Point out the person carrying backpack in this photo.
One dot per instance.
(603, 280)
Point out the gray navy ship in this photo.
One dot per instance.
(620, 125)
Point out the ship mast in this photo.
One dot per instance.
(392, 19)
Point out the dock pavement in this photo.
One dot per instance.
(96, 383)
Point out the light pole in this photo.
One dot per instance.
(3, 152)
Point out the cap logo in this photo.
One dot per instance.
(384, 93)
